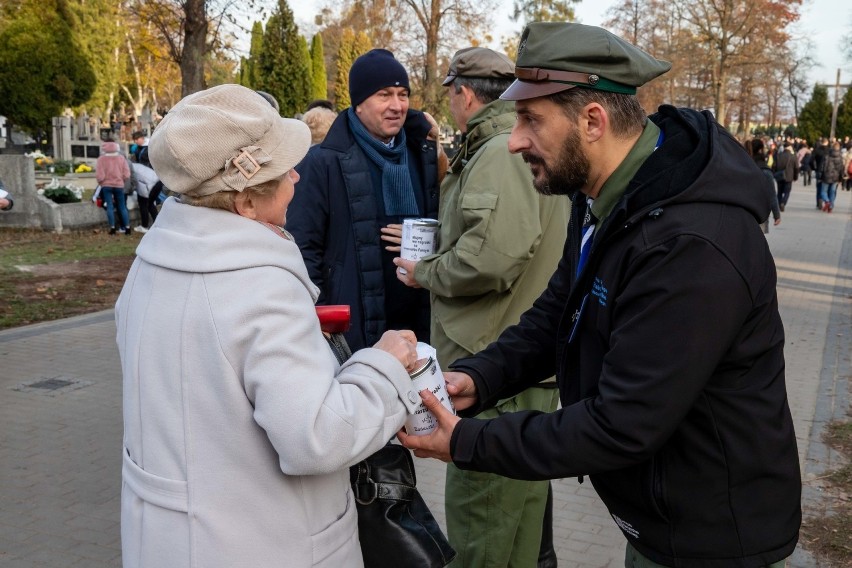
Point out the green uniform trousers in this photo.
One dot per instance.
(494, 521)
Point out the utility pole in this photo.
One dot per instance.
(837, 87)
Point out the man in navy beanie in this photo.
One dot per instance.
(376, 167)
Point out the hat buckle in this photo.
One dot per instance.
(245, 160)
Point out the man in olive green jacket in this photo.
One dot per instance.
(499, 243)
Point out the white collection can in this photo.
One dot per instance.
(419, 239)
(427, 375)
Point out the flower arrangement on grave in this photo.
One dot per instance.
(41, 161)
(83, 169)
(62, 193)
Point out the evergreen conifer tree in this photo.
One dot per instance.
(249, 66)
(306, 55)
(844, 116)
(815, 118)
(318, 72)
(282, 66)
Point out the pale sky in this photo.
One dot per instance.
(825, 21)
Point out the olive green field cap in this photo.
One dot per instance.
(557, 56)
(479, 62)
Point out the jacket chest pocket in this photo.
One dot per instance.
(476, 211)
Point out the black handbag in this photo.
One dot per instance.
(395, 526)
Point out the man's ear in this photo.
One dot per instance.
(469, 96)
(594, 121)
(245, 206)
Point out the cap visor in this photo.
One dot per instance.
(448, 80)
(521, 90)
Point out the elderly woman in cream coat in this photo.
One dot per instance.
(239, 425)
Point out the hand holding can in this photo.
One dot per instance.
(427, 375)
(419, 239)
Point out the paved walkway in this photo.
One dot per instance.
(60, 414)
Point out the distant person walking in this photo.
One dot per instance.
(832, 175)
(818, 157)
(757, 150)
(786, 170)
(806, 164)
(111, 172)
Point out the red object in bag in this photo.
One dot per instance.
(333, 319)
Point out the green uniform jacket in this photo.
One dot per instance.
(499, 240)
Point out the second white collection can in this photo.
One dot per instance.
(419, 239)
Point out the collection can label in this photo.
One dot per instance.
(419, 239)
(427, 375)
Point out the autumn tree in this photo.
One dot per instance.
(379, 20)
(284, 71)
(190, 29)
(734, 31)
(433, 25)
(376, 20)
(42, 68)
(183, 25)
(655, 26)
(796, 62)
(318, 69)
(543, 10)
(352, 44)
(815, 119)
(526, 11)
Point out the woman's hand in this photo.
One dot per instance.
(402, 344)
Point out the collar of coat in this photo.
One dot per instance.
(497, 117)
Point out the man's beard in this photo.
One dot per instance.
(570, 173)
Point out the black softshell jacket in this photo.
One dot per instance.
(668, 352)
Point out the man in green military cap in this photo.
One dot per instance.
(661, 321)
(499, 242)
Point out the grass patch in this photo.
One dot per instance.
(48, 276)
(829, 537)
(28, 246)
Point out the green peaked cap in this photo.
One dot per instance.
(556, 56)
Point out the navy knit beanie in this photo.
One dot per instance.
(372, 72)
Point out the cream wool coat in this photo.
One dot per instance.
(239, 426)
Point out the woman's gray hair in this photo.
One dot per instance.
(226, 199)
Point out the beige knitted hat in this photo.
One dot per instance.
(226, 138)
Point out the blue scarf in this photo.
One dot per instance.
(397, 190)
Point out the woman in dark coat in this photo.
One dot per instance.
(832, 175)
(757, 150)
